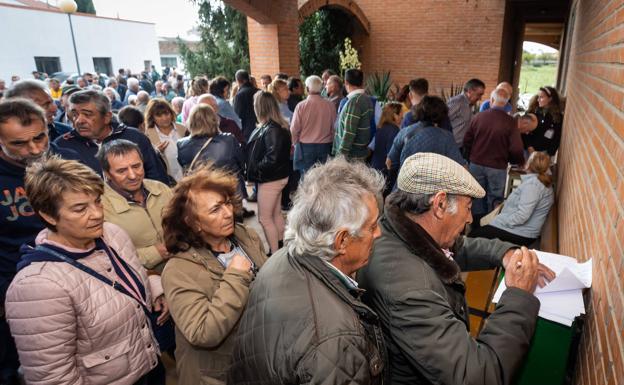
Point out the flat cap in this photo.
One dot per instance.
(70, 89)
(429, 173)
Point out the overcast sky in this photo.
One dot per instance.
(172, 17)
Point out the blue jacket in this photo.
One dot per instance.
(408, 120)
(486, 106)
(384, 138)
(87, 149)
(526, 209)
(223, 151)
(421, 137)
(56, 129)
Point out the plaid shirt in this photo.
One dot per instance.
(353, 131)
(460, 114)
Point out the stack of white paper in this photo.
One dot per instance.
(562, 299)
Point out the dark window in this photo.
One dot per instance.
(168, 61)
(148, 64)
(103, 65)
(48, 64)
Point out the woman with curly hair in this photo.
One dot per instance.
(208, 275)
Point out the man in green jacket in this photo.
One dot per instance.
(413, 282)
(305, 322)
(353, 124)
(134, 203)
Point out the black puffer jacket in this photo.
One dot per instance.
(302, 326)
(268, 153)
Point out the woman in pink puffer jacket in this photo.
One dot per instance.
(69, 326)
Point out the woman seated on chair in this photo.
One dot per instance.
(525, 210)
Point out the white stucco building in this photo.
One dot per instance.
(37, 36)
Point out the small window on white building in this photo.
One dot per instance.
(168, 61)
(48, 64)
(147, 64)
(103, 65)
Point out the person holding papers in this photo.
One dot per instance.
(413, 282)
(525, 210)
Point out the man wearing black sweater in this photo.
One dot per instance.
(23, 140)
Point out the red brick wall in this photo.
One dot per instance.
(591, 181)
(443, 41)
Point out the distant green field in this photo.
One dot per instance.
(532, 78)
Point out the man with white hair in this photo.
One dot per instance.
(312, 127)
(304, 321)
(177, 103)
(133, 89)
(142, 99)
(413, 282)
(492, 141)
(508, 107)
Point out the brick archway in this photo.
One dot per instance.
(273, 29)
(308, 7)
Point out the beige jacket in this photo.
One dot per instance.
(206, 302)
(144, 225)
(71, 328)
(152, 135)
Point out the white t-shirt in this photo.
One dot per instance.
(171, 152)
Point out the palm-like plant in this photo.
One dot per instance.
(379, 85)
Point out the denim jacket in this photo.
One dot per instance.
(526, 209)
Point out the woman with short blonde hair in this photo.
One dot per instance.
(207, 144)
(203, 120)
(83, 275)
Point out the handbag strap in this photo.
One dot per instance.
(114, 284)
(199, 153)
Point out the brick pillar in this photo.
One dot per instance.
(275, 47)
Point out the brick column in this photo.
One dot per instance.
(275, 47)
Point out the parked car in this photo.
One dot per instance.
(63, 76)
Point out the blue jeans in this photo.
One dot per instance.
(493, 182)
(307, 154)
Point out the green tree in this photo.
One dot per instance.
(86, 6)
(528, 57)
(321, 36)
(223, 48)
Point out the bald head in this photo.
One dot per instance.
(210, 100)
(527, 123)
(507, 87)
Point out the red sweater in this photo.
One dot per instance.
(493, 140)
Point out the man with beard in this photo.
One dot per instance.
(23, 139)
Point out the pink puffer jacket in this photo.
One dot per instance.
(71, 328)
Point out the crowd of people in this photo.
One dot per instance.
(123, 234)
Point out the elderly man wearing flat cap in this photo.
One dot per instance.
(413, 282)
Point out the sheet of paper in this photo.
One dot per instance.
(562, 299)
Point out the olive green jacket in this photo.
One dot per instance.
(419, 295)
(143, 224)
